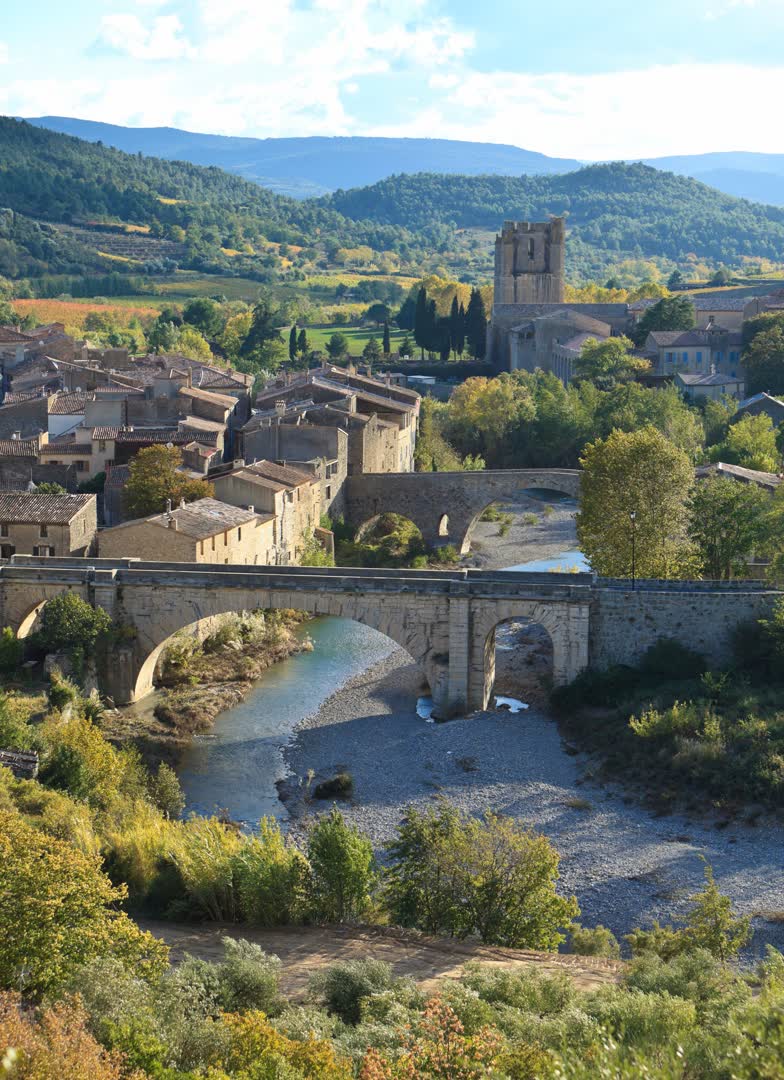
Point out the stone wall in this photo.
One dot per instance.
(625, 622)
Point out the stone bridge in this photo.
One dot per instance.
(446, 506)
(445, 620)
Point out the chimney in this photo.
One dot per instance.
(280, 407)
(182, 503)
(172, 523)
(252, 508)
(17, 435)
(168, 507)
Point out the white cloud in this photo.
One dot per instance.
(661, 110)
(162, 40)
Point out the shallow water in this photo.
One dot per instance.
(235, 768)
(566, 562)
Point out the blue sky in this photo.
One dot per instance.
(571, 78)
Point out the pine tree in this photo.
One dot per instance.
(421, 321)
(454, 324)
(386, 348)
(302, 343)
(293, 343)
(476, 325)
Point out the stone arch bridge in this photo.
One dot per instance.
(445, 620)
(446, 506)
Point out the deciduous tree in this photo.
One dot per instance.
(635, 487)
(727, 524)
(153, 479)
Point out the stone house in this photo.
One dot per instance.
(762, 404)
(51, 525)
(696, 351)
(205, 531)
(709, 385)
(291, 496)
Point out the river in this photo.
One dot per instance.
(234, 769)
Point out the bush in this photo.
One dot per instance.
(249, 978)
(271, 878)
(670, 660)
(339, 787)
(598, 941)
(11, 652)
(70, 624)
(343, 987)
(343, 869)
(62, 691)
(454, 874)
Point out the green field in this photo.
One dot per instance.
(358, 336)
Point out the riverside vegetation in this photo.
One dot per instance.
(86, 994)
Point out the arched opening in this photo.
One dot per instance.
(31, 621)
(443, 525)
(342, 646)
(519, 663)
(386, 541)
(527, 524)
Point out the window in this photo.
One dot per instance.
(82, 466)
(226, 538)
(102, 445)
(7, 550)
(43, 531)
(699, 358)
(531, 248)
(4, 529)
(733, 358)
(685, 358)
(668, 357)
(329, 492)
(239, 534)
(213, 543)
(43, 550)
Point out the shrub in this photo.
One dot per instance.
(670, 660)
(598, 941)
(271, 878)
(338, 787)
(166, 792)
(59, 910)
(11, 652)
(52, 1043)
(70, 624)
(455, 874)
(342, 865)
(343, 987)
(62, 691)
(249, 978)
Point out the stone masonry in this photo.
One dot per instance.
(445, 620)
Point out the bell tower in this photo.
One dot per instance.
(529, 262)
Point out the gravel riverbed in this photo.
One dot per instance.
(625, 866)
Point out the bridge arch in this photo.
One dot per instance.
(23, 604)
(157, 624)
(426, 498)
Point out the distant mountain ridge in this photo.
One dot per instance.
(316, 165)
(304, 167)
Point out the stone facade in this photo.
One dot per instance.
(445, 620)
(529, 262)
(446, 506)
(47, 525)
(203, 532)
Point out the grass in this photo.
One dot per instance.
(358, 336)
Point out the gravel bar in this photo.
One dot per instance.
(625, 866)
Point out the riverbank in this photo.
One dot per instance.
(625, 866)
(201, 678)
(553, 532)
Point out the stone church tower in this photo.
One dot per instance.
(529, 262)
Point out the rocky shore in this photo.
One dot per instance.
(626, 866)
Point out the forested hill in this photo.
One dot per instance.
(618, 207)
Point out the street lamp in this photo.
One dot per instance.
(633, 520)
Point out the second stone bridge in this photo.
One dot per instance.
(446, 506)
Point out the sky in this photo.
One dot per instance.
(591, 79)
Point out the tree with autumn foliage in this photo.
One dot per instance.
(58, 910)
(153, 479)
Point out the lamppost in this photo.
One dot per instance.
(633, 520)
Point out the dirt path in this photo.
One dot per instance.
(305, 949)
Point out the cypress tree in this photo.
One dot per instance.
(421, 321)
(454, 324)
(302, 342)
(293, 343)
(444, 338)
(460, 343)
(476, 325)
(387, 346)
(433, 342)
